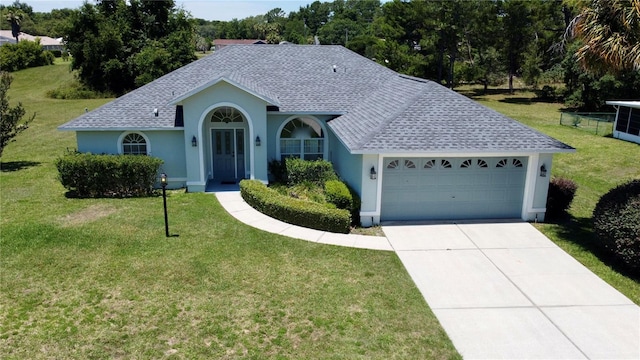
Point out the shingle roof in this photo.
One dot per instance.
(383, 110)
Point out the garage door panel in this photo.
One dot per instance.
(453, 188)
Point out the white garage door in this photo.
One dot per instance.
(452, 188)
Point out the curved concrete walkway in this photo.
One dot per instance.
(501, 290)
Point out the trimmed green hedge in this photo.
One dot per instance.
(317, 172)
(342, 196)
(616, 221)
(294, 211)
(90, 175)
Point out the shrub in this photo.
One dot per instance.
(294, 211)
(559, 197)
(91, 175)
(338, 194)
(75, 90)
(317, 172)
(278, 171)
(24, 54)
(616, 221)
(56, 53)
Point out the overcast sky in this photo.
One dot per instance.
(202, 9)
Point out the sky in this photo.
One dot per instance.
(203, 9)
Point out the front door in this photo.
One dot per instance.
(228, 154)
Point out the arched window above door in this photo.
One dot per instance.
(226, 114)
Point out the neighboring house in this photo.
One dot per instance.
(627, 125)
(47, 43)
(411, 148)
(221, 43)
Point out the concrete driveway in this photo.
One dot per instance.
(505, 291)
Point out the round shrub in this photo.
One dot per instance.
(616, 221)
(559, 197)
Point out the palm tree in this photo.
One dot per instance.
(14, 17)
(610, 33)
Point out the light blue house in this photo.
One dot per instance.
(411, 148)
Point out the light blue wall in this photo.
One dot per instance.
(347, 165)
(199, 106)
(167, 145)
(98, 142)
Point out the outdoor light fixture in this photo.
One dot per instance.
(155, 112)
(163, 181)
(372, 174)
(258, 142)
(543, 171)
(194, 141)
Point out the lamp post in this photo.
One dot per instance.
(163, 181)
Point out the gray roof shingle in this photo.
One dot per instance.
(383, 110)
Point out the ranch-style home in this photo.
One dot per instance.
(412, 149)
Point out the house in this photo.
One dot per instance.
(627, 124)
(47, 43)
(221, 43)
(410, 147)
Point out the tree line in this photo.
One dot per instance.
(581, 51)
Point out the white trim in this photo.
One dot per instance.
(325, 138)
(369, 213)
(122, 136)
(177, 179)
(196, 183)
(379, 185)
(460, 153)
(318, 113)
(631, 104)
(530, 182)
(177, 128)
(188, 94)
(201, 129)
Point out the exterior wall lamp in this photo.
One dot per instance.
(258, 142)
(194, 141)
(373, 174)
(543, 171)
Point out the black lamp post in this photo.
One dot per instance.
(163, 181)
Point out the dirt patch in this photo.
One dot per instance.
(90, 214)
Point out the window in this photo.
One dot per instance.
(466, 164)
(445, 164)
(134, 144)
(226, 115)
(302, 138)
(409, 164)
(430, 164)
(393, 164)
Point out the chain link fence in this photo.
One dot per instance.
(595, 123)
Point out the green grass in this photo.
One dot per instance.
(96, 278)
(598, 165)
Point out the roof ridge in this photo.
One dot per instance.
(399, 110)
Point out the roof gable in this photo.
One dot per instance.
(235, 80)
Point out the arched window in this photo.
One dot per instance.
(302, 138)
(226, 114)
(134, 144)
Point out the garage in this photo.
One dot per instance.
(452, 188)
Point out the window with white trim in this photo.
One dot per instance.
(302, 138)
(134, 144)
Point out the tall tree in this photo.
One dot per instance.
(610, 34)
(117, 45)
(11, 123)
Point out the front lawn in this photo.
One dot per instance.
(97, 278)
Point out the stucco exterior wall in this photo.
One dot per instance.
(197, 110)
(167, 145)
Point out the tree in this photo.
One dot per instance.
(610, 34)
(10, 117)
(106, 41)
(14, 17)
